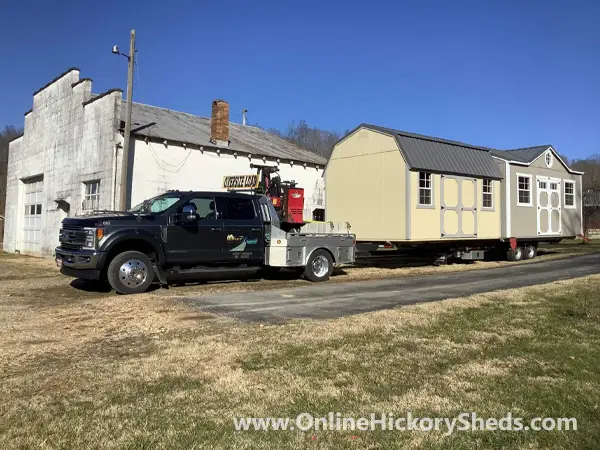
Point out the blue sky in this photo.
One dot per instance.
(502, 74)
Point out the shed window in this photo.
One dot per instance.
(425, 189)
(91, 196)
(569, 194)
(524, 190)
(487, 194)
(549, 159)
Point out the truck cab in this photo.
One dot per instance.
(184, 234)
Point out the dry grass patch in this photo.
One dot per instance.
(106, 371)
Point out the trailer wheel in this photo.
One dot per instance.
(319, 267)
(515, 255)
(130, 273)
(530, 251)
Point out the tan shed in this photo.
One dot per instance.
(396, 186)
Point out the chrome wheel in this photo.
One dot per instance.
(320, 266)
(530, 252)
(518, 254)
(133, 272)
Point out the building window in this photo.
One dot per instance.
(569, 194)
(91, 196)
(487, 194)
(425, 189)
(524, 190)
(554, 186)
(549, 159)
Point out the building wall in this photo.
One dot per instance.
(12, 192)
(67, 144)
(524, 219)
(158, 168)
(365, 186)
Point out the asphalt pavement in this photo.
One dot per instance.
(329, 300)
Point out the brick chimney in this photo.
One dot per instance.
(219, 123)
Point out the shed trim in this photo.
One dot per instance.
(525, 175)
(407, 195)
(574, 183)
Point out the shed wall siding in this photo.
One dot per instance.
(489, 222)
(524, 218)
(158, 168)
(365, 186)
(426, 221)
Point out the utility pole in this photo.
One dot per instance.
(125, 165)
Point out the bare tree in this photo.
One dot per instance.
(591, 190)
(310, 138)
(6, 136)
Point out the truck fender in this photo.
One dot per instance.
(110, 241)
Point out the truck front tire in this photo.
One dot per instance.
(319, 267)
(130, 272)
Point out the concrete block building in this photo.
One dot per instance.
(68, 161)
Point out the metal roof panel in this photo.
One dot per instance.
(184, 127)
(442, 155)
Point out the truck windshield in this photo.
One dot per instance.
(156, 204)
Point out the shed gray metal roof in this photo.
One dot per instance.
(183, 127)
(441, 155)
(524, 155)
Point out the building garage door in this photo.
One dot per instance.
(458, 207)
(32, 222)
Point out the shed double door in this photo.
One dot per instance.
(548, 206)
(458, 207)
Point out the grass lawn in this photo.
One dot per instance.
(105, 371)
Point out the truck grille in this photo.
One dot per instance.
(72, 237)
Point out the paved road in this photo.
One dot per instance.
(329, 300)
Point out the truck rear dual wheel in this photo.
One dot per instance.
(319, 267)
(529, 251)
(130, 272)
(515, 254)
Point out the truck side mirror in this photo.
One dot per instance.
(188, 214)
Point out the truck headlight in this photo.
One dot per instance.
(90, 238)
